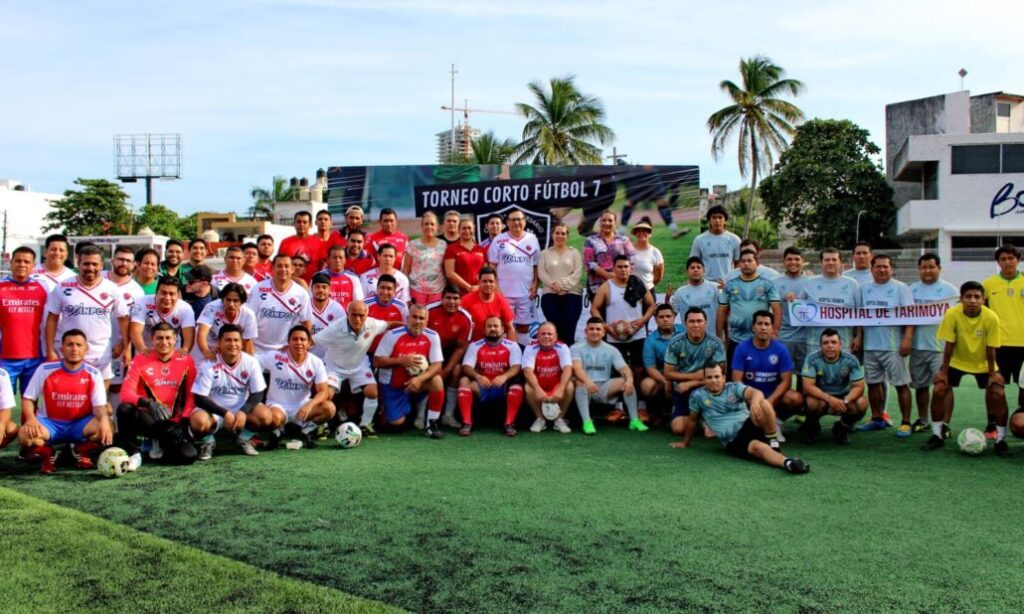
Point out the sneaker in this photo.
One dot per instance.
(206, 450)
(990, 431)
(840, 434)
(920, 426)
(134, 462)
(539, 425)
(678, 234)
(247, 447)
(308, 439)
(886, 418)
(946, 433)
(774, 444)
(934, 443)
(904, 431)
(562, 426)
(368, 430)
(615, 415)
(466, 430)
(155, 451)
(433, 430)
(48, 457)
(780, 431)
(588, 427)
(796, 465)
(643, 416)
(875, 424)
(449, 421)
(321, 431)
(1003, 449)
(81, 453)
(510, 430)
(638, 425)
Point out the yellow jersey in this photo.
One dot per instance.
(971, 336)
(1006, 298)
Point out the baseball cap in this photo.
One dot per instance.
(321, 278)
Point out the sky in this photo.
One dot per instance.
(284, 87)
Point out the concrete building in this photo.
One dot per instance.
(956, 165)
(464, 135)
(25, 211)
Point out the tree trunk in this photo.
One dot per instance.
(753, 184)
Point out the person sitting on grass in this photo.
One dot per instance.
(547, 369)
(833, 385)
(65, 402)
(741, 418)
(685, 357)
(490, 366)
(971, 334)
(593, 362)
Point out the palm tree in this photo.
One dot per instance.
(263, 199)
(562, 126)
(762, 120)
(487, 149)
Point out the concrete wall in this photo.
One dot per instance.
(983, 114)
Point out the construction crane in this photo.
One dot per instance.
(466, 110)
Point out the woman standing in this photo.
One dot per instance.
(559, 271)
(464, 258)
(600, 250)
(648, 264)
(424, 263)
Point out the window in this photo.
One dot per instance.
(975, 159)
(1002, 109)
(987, 242)
(1013, 158)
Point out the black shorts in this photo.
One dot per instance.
(1010, 358)
(632, 352)
(741, 442)
(955, 376)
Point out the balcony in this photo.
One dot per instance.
(918, 216)
(903, 167)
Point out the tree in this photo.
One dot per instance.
(760, 120)
(263, 199)
(165, 221)
(824, 180)
(562, 125)
(487, 149)
(100, 208)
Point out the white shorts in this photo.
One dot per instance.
(290, 413)
(524, 310)
(103, 365)
(357, 379)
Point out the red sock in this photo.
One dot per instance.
(466, 405)
(435, 403)
(515, 399)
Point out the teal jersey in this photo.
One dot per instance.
(862, 276)
(724, 412)
(939, 292)
(840, 291)
(601, 362)
(704, 295)
(745, 298)
(655, 346)
(892, 293)
(786, 285)
(717, 252)
(834, 377)
(689, 357)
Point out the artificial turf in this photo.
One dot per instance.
(618, 521)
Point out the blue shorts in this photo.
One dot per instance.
(21, 371)
(680, 403)
(397, 402)
(493, 394)
(65, 431)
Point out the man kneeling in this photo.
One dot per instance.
(593, 362)
(488, 367)
(833, 384)
(741, 418)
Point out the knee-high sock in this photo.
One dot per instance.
(466, 404)
(515, 399)
(451, 396)
(369, 409)
(583, 402)
(435, 401)
(630, 400)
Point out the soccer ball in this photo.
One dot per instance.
(112, 463)
(971, 441)
(421, 365)
(550, 411)
(622, 330)
(348, 435)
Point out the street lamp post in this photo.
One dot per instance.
(857, 235)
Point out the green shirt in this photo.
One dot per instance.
(836, 377)
(724, 412)
(689, 357)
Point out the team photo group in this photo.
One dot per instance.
(139, 356)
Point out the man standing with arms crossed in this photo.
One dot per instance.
(717, 248)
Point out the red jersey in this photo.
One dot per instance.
(547, 364)
(150, 377)
(468, 262)
(362, 264)
(492, 359)
(325, 247)
(450, 327)
(22, 306)
(395, 311)
(309, 247)
(399, 342)
(398, 239)
(480, 311)
(65, 395)
(345, 288)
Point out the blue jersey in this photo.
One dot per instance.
(745, 298)
(840, 291)
(703, 295)
(938, 292)
(861, 276)
(833, 377)
(762, 368)
(892, 293)
(795, 286)
(724, 412)
(655, 346)
(717, 252)
(689, 357)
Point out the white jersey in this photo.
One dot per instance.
(214, 316)
(516, 261)
(90, 310)
(50, 280)
(331, 313)
(368, 281)
(291, 383)
(6, 394)
(276, 312)
(345, 350)
(149, 315)
(131, 292)
(221, 279)
(227, 386)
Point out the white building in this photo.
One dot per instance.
(463, 143)
(956, 163)
(25, 211)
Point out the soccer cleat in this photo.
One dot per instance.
(466, 430)
(155, 451)
(247, 446)
(886, 418)
(206, 450)
(1003, 449)
(934, 443)
(945, 431)
(48, 457)
(904, 431)
(369, 430)
(308, 439)
(81, 453)
(433, 430)
(321, 431)
(449, 421)
(990, 430)
(615, 415)
(510, 430)
(920, 426)
(796, 465)
(875, 424)
(134, 462)
(562, 426)
(638, 425)
(644, 416)
(588, 427)
(538, 425)
(840, 433)
(780, 431)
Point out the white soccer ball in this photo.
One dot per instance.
(621, 330)
(421, 365)
(550, 411)
(971, 441)
(113, 463)
(348, 435)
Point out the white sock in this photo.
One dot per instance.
(369, 409)
(433, 415)
(1000, 433)
(937, 429)
(450, 398)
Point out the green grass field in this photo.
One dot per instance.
(543, 522)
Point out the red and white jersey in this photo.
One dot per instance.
(48, 279)
(345, 288)
(392, 311)
(221, 279)
(492, 359)
(369, 281)
(360, 265)
(148, 314)
(131, 292)
(400, 342)
(331, 313)
(214, 316)
(309, 247)
(230, 386)
(451, 327)
(61, 394)
(291, 383)
(276, 312)
(90, 310)
(334, 238)
(399, 240)
(168, 381)
(516, 260)
(263, 270)
(6, 392)
(22, 306)
(547, 364)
